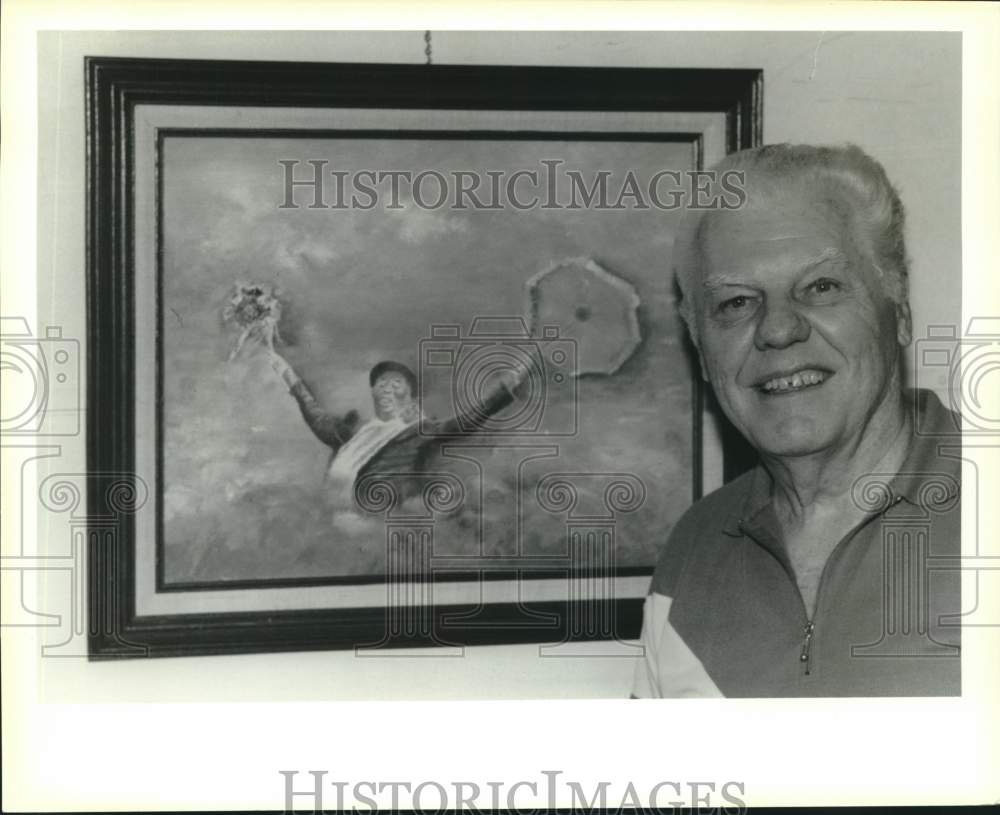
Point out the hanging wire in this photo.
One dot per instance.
(427, 46)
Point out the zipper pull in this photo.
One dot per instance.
(806, 642)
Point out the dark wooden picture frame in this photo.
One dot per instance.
(115, 87)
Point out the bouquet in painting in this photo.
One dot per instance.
(252, 314)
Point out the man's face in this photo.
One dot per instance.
(391, 395)
(796, 334)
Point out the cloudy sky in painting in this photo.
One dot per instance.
(361, 286)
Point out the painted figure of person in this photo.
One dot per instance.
(398, 438)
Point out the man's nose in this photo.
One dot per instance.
(780, 325)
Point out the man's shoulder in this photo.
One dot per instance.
(703, 524)
(930, 415)
(719, 504)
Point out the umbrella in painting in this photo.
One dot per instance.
(591, 306)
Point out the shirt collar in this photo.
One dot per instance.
(756, 497)
(932, 473)
(930, 477)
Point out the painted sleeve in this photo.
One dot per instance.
(332, 430)
(477, 416)
(668, 668)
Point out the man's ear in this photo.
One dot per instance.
(692, 332)
(701, 363)
(904, 324)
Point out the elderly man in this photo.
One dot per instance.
(811, 574)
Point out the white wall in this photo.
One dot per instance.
(896, 95)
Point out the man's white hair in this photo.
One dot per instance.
(846, 178)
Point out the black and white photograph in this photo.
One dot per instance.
(382, 387)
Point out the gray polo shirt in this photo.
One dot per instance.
(725, 616)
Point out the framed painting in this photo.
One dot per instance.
(388, 355)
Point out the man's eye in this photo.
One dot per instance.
(734, 304)
(824, 286)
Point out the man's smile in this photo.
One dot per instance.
(779, 383)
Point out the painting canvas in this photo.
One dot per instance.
(246, 495)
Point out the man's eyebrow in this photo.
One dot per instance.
(825, 256)
(716, 282)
